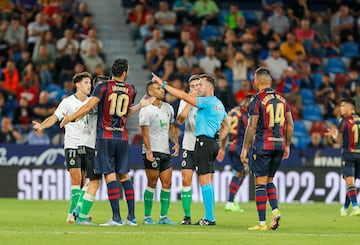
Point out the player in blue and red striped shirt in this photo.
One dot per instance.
(114, 99)
(348, 132)
(272, 126)
(239, 116)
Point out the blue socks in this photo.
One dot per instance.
(208, 198)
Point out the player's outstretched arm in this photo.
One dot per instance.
(143, 102)
(48, 122)
(176, 92)
(82, 111)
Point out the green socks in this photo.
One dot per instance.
(164, 201)
(148, 200)
(81, 198)
(75, 195)
(186, 199)
(87, 203)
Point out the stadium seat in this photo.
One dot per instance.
(137, 139)
(53, 90)
(317, 78)
(349, 49)
(172, 42)
(301, 141)
(299, 127)
(335, 65)
(250, 17)
(312, 113)
(341, 79)
(300, 135)
(315, 63)
(318, 126)
(294, 112)
(222, 16)
(307, 96)
(209, 32)
(229, 75)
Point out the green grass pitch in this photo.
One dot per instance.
(43, 222)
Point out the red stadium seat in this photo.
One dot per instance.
(341, 79)
(137, 140)
(294, 112)
(319, 126)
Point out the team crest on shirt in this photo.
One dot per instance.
(163, 123)
(72, 162)
(217, 108)
(254, 156)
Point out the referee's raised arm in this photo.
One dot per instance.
(191, 99)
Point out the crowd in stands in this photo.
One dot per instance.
(42, 45)
(310, 47)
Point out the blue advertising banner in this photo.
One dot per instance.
(25, 155)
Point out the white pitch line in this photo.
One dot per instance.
(276, 233)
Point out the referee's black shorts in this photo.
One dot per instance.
(206, 150)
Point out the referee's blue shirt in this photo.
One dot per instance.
(210, 114)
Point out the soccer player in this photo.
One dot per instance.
(348, 132)
(114, 99)
(187, 114)
(74, 133)
(272, 125)
(157, 127)
(238, 120)
(87, 154)
(211, 117)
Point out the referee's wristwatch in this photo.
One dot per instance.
(163, 84)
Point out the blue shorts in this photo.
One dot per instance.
(111, 156)
(350, 165)
(265, 163)
(236, 164)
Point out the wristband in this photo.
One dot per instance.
(163, 84)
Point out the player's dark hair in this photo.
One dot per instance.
(119, 66)
(349, 101)
(148, 86)
(209, 78)
(80, 76)
(99, 79)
